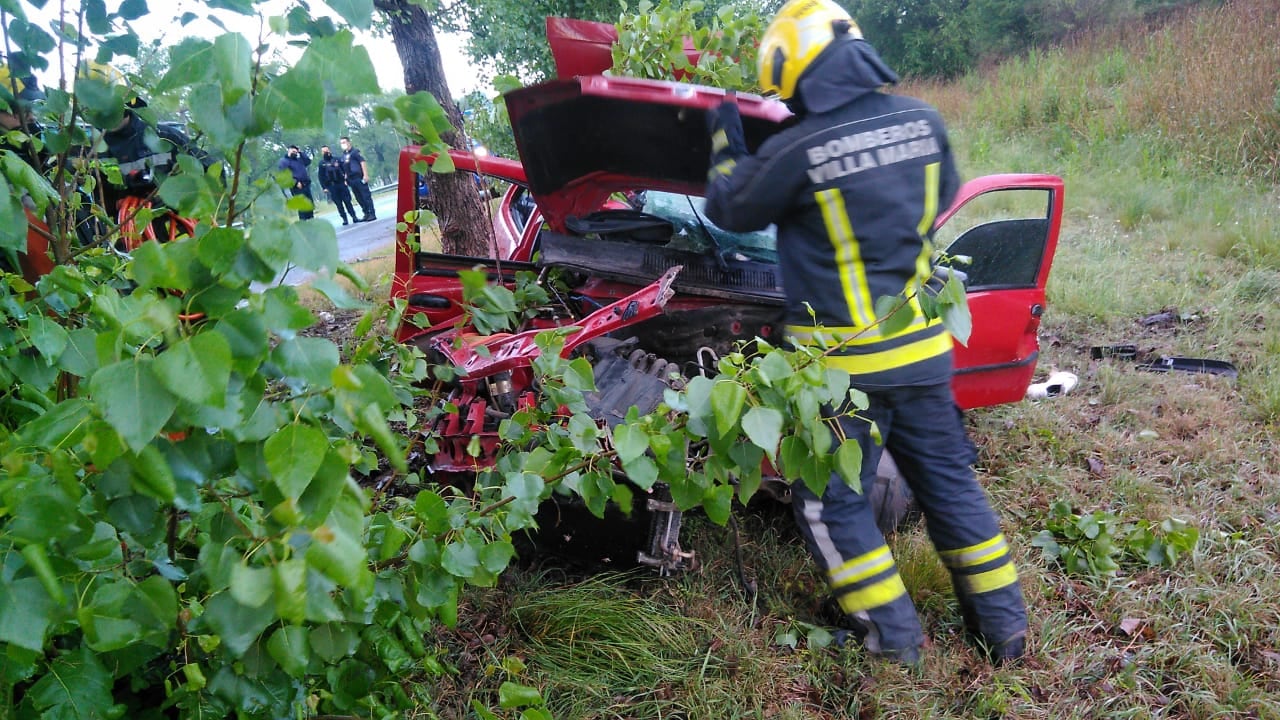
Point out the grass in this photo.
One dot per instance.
(1168, 139)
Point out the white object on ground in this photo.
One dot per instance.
(1058, 383)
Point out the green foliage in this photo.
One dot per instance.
(652, 43)
(929, 37)
(487, 122)
(1101, 543)
(509, 36)
(180, 521)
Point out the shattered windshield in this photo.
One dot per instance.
(696, 233)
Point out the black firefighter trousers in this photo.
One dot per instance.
(923, 429)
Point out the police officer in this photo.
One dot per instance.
(333, 178)
(357, 169)
(854, 187)
(297, 162)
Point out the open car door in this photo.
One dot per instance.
(1001, 232)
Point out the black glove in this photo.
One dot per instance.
(726, 118)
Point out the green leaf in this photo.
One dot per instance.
(763, 427)
(251, 586)
(642, 471)
(895, 313)
(152, 475)
(190, 61)
(225, 124)
(630, 441)
(337, 294)
(443, 164)
(727, 400)
(432, 512)
(337, 62)
(61, 427)
(197, 369)
(295, 99)
(47, 337)
(496, 555)
(314, 246)
(957, 319)
(13, 217)
(133, 400)
(293, 455)
(310, 359)
(233, 66)
(238, 625)
(333, 641)
(288, 646)
(513, 695)
(76, 687)
(357, 13)
(26, 611)
(717, 503)
(774, 368)
(849, 464)
(289, 581)
(460, 559)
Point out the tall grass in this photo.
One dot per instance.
(1201, 91)
(1168, 138)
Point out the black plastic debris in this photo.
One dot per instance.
(1122, 352)
(1191, 365)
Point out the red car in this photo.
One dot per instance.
(608, 192)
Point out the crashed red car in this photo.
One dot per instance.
(608, 193)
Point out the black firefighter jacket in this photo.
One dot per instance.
(854, 188)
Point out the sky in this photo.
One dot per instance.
(159, 24)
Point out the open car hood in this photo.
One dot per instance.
(585, 138)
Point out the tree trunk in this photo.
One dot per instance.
(462, 218)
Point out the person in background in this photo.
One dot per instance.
(854, 186)
(333, 179)
(17, 95)
(357, 178)
(297, 162)
(141, 162)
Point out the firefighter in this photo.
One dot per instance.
(854, 187)
(18, 93)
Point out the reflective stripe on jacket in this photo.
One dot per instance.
(854, 193)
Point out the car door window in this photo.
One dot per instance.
(998, 238)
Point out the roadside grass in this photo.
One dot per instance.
(1169, 243)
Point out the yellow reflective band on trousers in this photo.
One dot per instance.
(719, 141)
(985, 582)
(850, 336)
(853, 275)
(936, 344)
(723, 169)
(974, 555)
(861, 567)
(878, 593)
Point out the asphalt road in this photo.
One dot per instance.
(357, 241)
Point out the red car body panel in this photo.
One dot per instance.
(585, 47)
(572, 164)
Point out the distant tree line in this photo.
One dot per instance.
(923, 38)
(945, 38)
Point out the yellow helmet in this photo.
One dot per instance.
(798, 34)
(23, 89)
